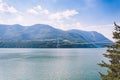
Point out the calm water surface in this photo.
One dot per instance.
(51, 64)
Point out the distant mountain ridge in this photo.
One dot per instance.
(42, 32)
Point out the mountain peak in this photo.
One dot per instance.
(43, 32)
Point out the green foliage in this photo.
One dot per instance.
(43, 44)
(113, 54)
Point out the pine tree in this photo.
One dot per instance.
(113, 54)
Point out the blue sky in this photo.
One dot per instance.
(90, 15)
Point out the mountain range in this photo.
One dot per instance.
(46, 33)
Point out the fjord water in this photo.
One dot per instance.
(51, 64)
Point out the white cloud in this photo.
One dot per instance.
(33, 11)
(63, 15)
(6, 8)
(60, 20)
(38, 7)
(46, 11)
(44, 16)
(38, 10)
